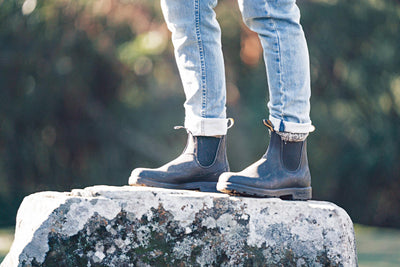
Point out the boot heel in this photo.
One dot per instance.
(302, 194)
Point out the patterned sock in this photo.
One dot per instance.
(293, 137)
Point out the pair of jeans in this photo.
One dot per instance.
(196, 37)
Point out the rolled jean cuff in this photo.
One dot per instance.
(291, 127)
(206, 126)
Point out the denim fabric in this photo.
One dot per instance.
(196, 37)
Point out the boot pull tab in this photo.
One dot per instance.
(269, 124)
(182, 127)
(231, 122)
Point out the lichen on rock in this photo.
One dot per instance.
(139, 226)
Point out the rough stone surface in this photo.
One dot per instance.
(140, 226)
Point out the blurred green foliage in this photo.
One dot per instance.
(89, 90)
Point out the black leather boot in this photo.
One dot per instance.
(282, 172)
(198, 167)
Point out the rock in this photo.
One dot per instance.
(141, 226)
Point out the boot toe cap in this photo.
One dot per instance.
(226, 179)
(229, 181)
(136, 175)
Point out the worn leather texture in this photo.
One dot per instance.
(187, 169)
(283, 166)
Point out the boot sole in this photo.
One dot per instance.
(201, 186)
(304, 193)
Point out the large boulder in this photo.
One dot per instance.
(141, 226)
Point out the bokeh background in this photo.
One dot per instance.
(89, 89)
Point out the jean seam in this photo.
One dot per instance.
(280, 70)
(203, 84)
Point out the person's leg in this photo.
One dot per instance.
(277, 23)
(196, 38)
(283, 170)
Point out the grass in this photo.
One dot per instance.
(375, 246)
(6, 238)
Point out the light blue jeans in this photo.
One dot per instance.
(196, 37)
